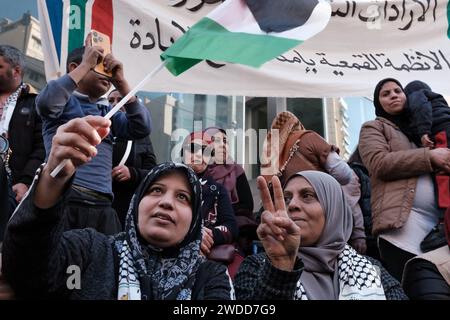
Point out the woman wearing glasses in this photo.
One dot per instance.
(219, 221)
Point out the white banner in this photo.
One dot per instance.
(365, 41)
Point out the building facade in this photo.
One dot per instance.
(25, 35)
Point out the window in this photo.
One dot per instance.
(309, 111)
(175, 116)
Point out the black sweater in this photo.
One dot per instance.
(258, 279)
(37, 255)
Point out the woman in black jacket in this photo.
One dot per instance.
(156, 258)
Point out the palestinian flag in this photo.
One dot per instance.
(249, 32)
(80, 16)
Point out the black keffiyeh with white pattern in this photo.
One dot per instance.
(150, 273)
(359, 279)
(8, 109)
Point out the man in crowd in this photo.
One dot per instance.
(20, 126)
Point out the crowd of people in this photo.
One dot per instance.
(374, 228)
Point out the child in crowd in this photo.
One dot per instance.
(80, 93)
(429, 126)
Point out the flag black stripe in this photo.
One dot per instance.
(281, 15)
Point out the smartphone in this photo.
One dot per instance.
(102, 40)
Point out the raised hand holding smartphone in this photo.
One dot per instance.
(101, 40)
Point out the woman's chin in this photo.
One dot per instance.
(159, 238)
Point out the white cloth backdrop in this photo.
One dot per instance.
(364, 42)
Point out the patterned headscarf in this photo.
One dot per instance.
(150, 273)
(290, 129)
(320, 276)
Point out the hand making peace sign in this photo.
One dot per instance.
(279, 235)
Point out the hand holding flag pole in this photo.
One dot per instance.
(270, 28)
(117, 107)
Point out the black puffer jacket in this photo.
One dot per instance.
(423, 281)
(428, 111)
(364, 201)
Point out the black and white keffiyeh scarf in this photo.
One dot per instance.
(8, 109)
(150, 273)
(359, 279)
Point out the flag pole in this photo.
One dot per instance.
(117, 107)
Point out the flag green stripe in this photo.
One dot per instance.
(209, 40)
(76, 24)
(448, 19)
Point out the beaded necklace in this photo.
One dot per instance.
(293, 150)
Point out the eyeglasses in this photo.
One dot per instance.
(194, 148)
